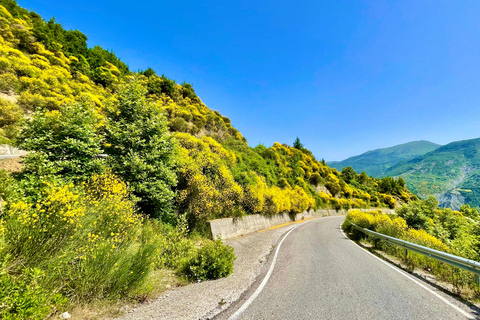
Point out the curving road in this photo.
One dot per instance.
(320, 274)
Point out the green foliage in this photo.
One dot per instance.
(297, 144)
(188, 92)
(24, 297)
(212, 261)
(161, 85)
(470, 212)
(141, 151)
(348, 174)
(8, 188)
(418, 213)
(391, 185)
(63, 140)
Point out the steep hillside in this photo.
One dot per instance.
(376, 162)
(46, 72)
(123, 171)
(451, 173)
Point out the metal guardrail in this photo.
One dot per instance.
(451, 259)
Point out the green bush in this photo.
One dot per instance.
(63, 140)
(24, 297)
(173, 246)
(212, 261)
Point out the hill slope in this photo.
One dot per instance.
(376, 162)
(451, 173)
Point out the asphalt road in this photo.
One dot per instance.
(320, 274)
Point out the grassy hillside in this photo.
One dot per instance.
(76, 227)
(376, 162)
(450, 172)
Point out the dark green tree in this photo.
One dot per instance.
(141, 150)
(348, 174)
(187, 91)
(148, 73)
(297, 144)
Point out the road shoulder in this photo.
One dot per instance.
(206, 299)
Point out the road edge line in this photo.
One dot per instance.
(267, 276)
(463, 312)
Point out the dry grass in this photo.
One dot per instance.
(11, 164)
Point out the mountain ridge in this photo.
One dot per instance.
(451, 173)
(375, 162)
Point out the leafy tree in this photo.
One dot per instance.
(348, 174)
(470, 212)
(297, 144)
(362, 178)
(141, 151)
(63, 140)
(149, 72)
(187, 91)
(419, 212)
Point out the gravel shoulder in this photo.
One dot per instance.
(206, 299)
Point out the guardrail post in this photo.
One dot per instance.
(406, 255)
(477, 279)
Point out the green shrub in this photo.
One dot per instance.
(178, 125)
(63, 140)
(173, 246)
(212, 261)
(24, 297)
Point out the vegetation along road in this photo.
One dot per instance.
(318, 273)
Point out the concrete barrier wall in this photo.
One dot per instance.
(8, 150)
(233, 227)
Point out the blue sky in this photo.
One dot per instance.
(343, 76)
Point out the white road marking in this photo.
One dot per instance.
(267, 276)
(463, 312)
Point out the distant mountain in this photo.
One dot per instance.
(451, 173)
(376, 162)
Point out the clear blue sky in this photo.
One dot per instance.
(343, 76)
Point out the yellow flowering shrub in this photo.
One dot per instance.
(300, 200)
(38, 231)
(388, 200)
(206, 188)
(116, 217)
(325, 197)
(397, 227)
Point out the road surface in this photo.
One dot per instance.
(320, 274)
